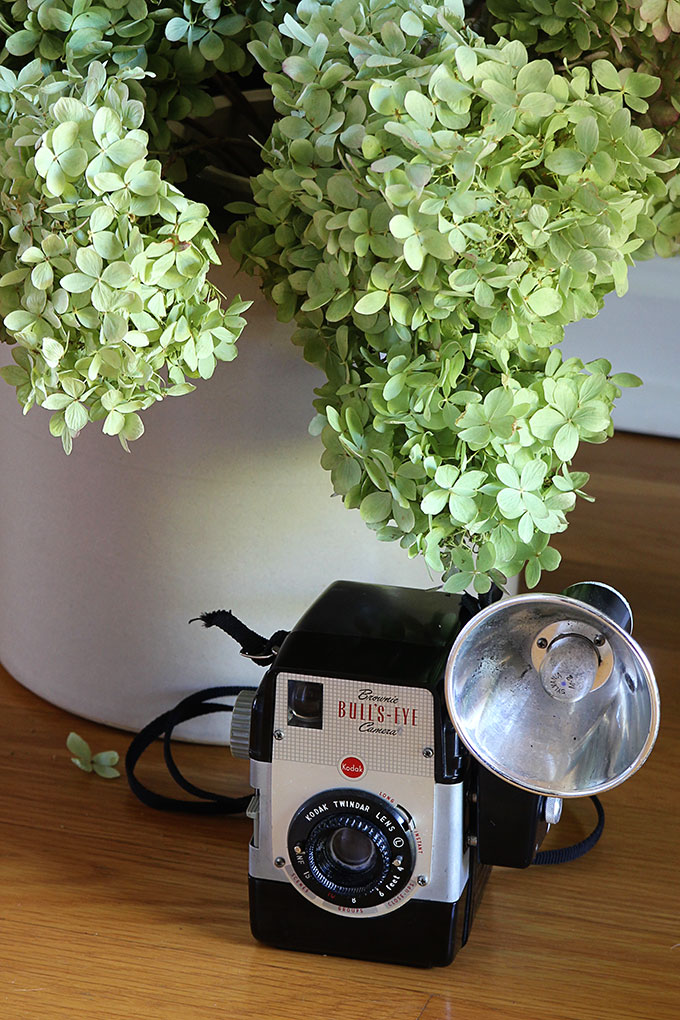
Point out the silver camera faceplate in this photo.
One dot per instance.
(374, 738)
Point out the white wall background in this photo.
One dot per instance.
(639, 333)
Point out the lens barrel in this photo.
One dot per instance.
(352, 849)
(347, 856)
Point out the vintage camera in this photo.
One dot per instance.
(403, 741)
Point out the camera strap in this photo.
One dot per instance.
(253, 646)
(207, 802)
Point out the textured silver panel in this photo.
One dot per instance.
(386, 727)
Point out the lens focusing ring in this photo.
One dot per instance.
(351, 849)
(331, 873)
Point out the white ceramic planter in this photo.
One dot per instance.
(105, 556)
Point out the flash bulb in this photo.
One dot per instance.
(569, 667)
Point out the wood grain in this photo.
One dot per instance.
(110, 910)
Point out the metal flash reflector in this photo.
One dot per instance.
(552, 694)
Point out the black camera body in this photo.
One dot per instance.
(374, 828)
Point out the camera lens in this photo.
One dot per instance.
(347, 855)
(352, 849)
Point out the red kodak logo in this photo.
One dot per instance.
(352, 768)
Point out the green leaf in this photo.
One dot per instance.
(566, 441)
(126, 151)
(89, 262)
(643, 85)
(508, 475)
(538, 104)
(535, 76)
(73, 162)
(136, 338)
(114, 423)
(533, 475)
(545, 422)
(545, 301)
(371, 302)
(673, 15)
(102, 217)
(55, 180)
(79, 747)
(176, 29)
(593, 417)
(108, 181)
(22, 42)
(76, 416)
(342, 192)
(446, 475)
(211, 46)
(420, 108)
(411, 24)
(462, 508)
(107, 245)
(146, 182)
(532, 572)
(345, 475)
(376, 507)
(626, 379)
(606, 74)
(105, 771)
(538, 216)
(299, 69)
(117, 275)
(76, 283)
(486, 557)
(18, 320)
(466, 59)
(587, 135)
(458, 582)
(481, 583)
(401, 227)
(435, 501)
(413, 253)
(510, 503)
(57, 401)
(550, 558)
(52, 350)
(14, 375)
(42, 276)
(565, 161)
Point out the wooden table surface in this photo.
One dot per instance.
(111, 910)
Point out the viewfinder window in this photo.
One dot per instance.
(305, 704)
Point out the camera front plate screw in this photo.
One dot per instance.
(279, 861)
(422, 880)
(542, 642)
(278, 734)
(598, 640)
(427, 752)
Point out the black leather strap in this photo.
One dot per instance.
(253, 646)
(192, 707)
